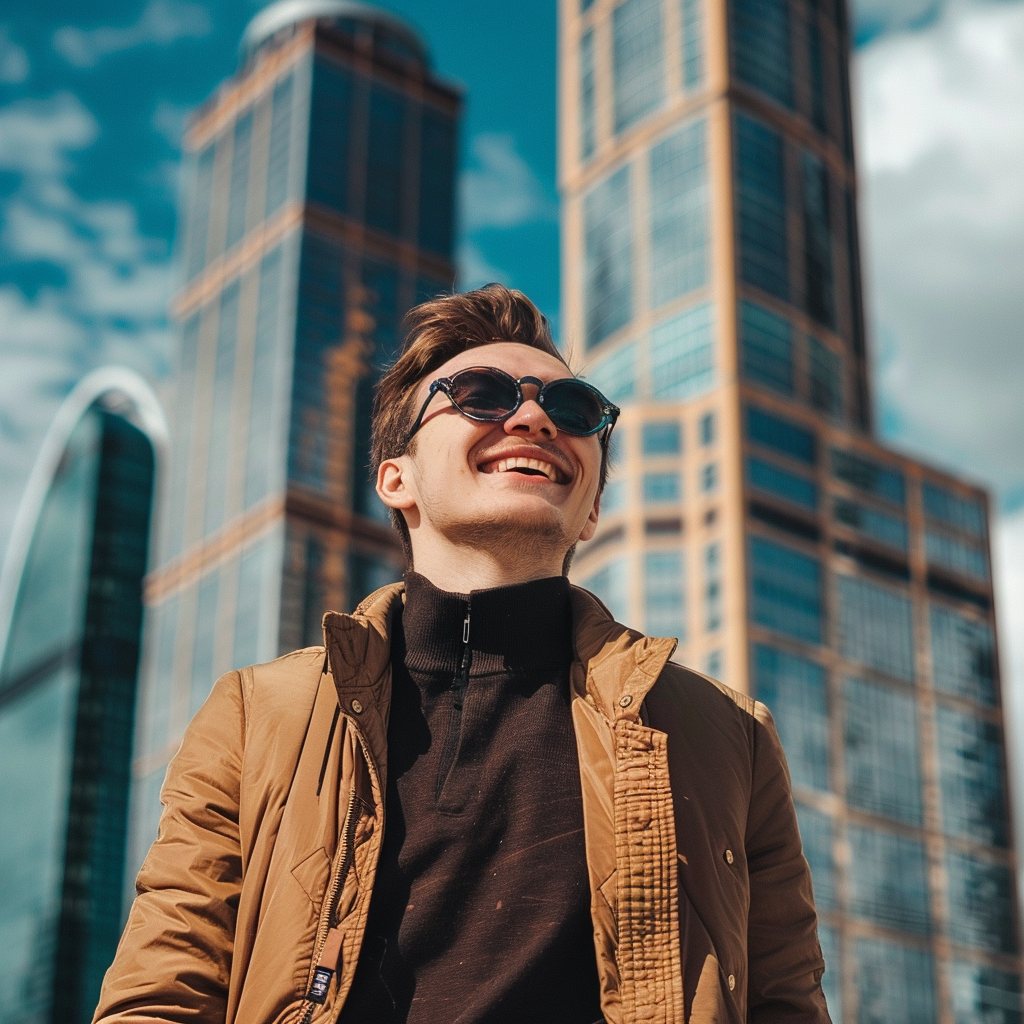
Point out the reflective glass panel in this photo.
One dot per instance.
(780, 434)
(984, 995)
(665, 594)
(181, 436)
(279, 158)
(794, 689)
(950, 509)
(888, 880)
(204, 644)
(832, 979)
(199, 212)
(588, 122)
(678, 197)
(972, 772)
(613, 497)
(659, 488)
(707, 428)
(761, 202)
(713, 587)
(825, 379)
(683, 355)
(961, 556)
(781, 483)
(693, 44)
(883, 767)
(761, 47)
(876, 627)
(662, 437)
(819, 296)
(611, 585)
(615, 375)
(163, 628)
(786, 589)
(963, 656)
(816, 836)
(767, 346)
(879, 526)
(981, 903)
(608, 256)
(239, 195)
(894, 983)
(637, 60)
(220, 411)
(330, 129)
(868, 476)
(384, 160)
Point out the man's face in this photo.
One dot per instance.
(521, 484)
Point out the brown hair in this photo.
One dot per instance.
(435, 331)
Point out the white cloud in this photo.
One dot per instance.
(161, 22)
(14, 65)
(36, 135)
(942, 144)
(499, 188)
(169, 121)
(475, 269)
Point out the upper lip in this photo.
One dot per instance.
(562, 470)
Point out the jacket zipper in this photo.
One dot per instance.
(459, 686)
(317, 993)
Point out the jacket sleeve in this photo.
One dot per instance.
(174, 959)
(785, 962)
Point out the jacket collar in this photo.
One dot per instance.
(614, 667)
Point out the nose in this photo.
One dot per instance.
(530, 419)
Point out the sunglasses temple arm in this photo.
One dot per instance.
(423, 408)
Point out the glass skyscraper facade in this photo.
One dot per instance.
(320, 207)
(70, 637)
(711, 287)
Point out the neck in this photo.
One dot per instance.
(461, 569)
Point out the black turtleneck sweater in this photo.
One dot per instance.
(481, 906)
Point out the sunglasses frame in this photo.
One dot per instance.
(444, 385)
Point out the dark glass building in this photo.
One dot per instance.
(711, 278)
(70, 636)
(320, 208)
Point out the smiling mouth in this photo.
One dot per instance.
(526, 467)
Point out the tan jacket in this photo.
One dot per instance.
(274, 814)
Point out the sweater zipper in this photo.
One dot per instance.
(321, 982)
(459, 686)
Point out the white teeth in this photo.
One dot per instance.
(506, 465)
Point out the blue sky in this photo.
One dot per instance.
(93, 98)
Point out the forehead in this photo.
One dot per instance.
(510, 356)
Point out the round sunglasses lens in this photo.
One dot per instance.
(483, 394)
(573, 407)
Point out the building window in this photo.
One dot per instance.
(248, 620)
(971, 772)
(199, 214)
(761, 201)
(709, 478)
(278, 160)
(693, 45)
(438, 159)
(239, 193)
(869, 476)
(713, 664)
(894, 983)
(761, 50)
(825, 379)
(611, 585)
(816, 836)
(615, 375)
(683, 355)
(767, 346)
(782, 435)
(879, 526)
(660, 488)
(781, 483)
(815, 64)
(883, 766)
(794, 689)
(707, 429)
(588, 117)
(613, 497)
(713, 587)
(786, 590)
(818, 288)
(981, 903)
(963, 656)
(679, 213)
(184, 414)
(637, 60)
(157, 718)
(204, 642)
(943, 506)
(957, 555)
(367, 574)
(608, 256)
(984, 995)
(889, 880)
(217, 455)
(876, 627)
(384, 185)
(665, 594)
(662, 437)
(831, 981)
(330, 128)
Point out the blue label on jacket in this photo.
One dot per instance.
(321, 983)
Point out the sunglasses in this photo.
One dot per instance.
(489, 395)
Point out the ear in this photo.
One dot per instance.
(590, 526)
(393, 484)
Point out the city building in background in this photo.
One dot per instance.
(70, 637)
(711, 287)
(320, 207)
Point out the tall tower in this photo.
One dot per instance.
(320, 208)
(70, 636)
(711, 284)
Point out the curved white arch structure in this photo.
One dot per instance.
(147, 414)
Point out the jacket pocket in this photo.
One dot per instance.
(313, 874)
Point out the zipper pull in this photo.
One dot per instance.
(465, 627)
(321, 983)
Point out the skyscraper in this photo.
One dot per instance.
(70, 635)
(711, 283)
(320, 208)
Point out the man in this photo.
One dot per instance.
(484, 800)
